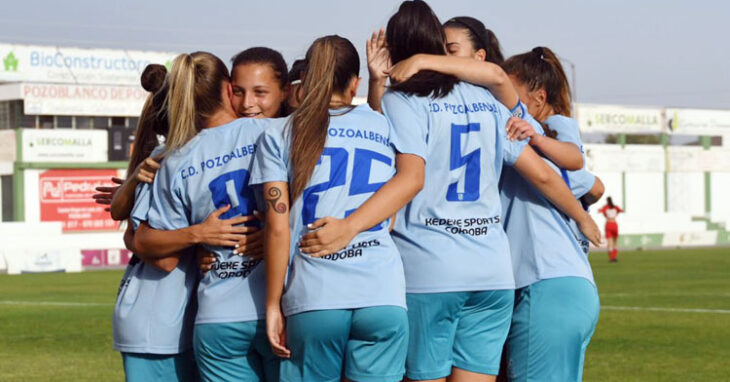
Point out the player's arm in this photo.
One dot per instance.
(595, 194)
(166, 264)
(378, 58)
(276, 255)
(552, 186)
(334, 234)
(150, 243)
(123, 199)
(482, 73)
(565, 155)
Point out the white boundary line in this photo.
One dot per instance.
(665, 294)
(604, 307)
(52, 303)
(656, 309)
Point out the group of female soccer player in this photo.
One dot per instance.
(281, 233)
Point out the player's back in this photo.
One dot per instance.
(356, 161)
(210, 172)
(555, 247)
(452, 229)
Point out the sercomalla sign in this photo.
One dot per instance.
(63, 145)
(65, 196)
(619, 119)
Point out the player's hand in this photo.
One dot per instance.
(405, 69)
(326, 236)
(276, 331)
(145, 171)
(205, 259)
(590, 229)
(106, 193)
(252, 245)
(222, 233)
(519, 129)
(378, 56)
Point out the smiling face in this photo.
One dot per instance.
(257, 93)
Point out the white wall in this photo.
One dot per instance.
(686, 192)
(644, 193)
(32, 196)
(612, 183)
(720, 190)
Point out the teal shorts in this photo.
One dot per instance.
(368, 343)
(139, 367)
(465, 330)
(552, 324)
(235, 351)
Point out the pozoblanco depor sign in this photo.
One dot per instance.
(34, 63)
(97, 100)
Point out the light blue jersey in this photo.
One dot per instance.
(209, 172)
(543, 243)
(356, 161)
(142, 193)
(450, 235)
(154, 313)
(581, 181)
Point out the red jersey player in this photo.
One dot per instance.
(610, 211)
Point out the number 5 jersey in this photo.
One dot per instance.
(209, 172)
(450, 235)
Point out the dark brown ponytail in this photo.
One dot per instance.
(153, 119)
(416, 29)
(541, 69)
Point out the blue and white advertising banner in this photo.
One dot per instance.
(51, 64)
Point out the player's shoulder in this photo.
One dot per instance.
(561, 123)
(480, 99)
(396, 98)
(242, 128)
(364, 113)
(180, 157)
(159, 149)
(472, 91)
(275, 128)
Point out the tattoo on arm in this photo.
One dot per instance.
(272, 199)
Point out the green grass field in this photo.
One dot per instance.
(665, 317)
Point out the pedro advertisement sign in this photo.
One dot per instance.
(65, 196)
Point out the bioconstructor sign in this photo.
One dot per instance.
(34, 63)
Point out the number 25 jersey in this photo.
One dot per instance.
(355, 162)
(450, 235)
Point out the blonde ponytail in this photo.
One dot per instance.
(181, 103)
(195, 83)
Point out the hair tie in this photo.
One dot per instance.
(538, 50)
